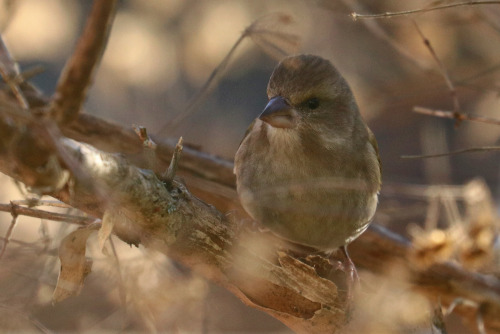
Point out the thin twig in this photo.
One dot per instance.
(465, 82)
(375, 28)
(261, 36)
(142, 132)
(169, 175)
(13, 222)
(8, 65)
(447, 154)
(387, 15)
(442, 69)
(29, 73)
(19, 242)
(459, 302)
(9, 70)
(149, 147)
(78, 72)
(36, 213)
(479, 74)
(51, 203)
(204, 90)
(456, 115)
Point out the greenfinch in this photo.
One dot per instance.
(308, 168)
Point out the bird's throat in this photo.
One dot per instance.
(281, 138)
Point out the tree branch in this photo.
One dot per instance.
(78, 73)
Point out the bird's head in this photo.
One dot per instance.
(307, 93)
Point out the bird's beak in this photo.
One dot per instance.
(279, 114)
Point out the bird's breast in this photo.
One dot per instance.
(303, 193)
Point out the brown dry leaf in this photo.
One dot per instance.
(74, 265)
(108, 222)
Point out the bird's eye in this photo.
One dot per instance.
(312, 103)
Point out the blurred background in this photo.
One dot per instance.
(160, 54)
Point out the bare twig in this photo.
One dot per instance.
(13, 222)
(142, 132)
(447, 154)
(149, 147)
(268, 38)
(59, 217)
(9, 70)
(456, 115)
(169, 174)
(204, 90)
(465, 82)
(31, 203)
(442, 69)
(30, 73)
(386, 15)
(19, 242)
(8, 66)
(375, 28)
(78, 72)
(459, 302)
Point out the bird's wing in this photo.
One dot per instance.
(247, 132)
(373, 142)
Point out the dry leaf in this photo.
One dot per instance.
(108, 222)
(74, 265)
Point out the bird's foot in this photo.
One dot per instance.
(346, 265)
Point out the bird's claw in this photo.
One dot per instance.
(352, 278)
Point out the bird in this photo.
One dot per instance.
(308, 168)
